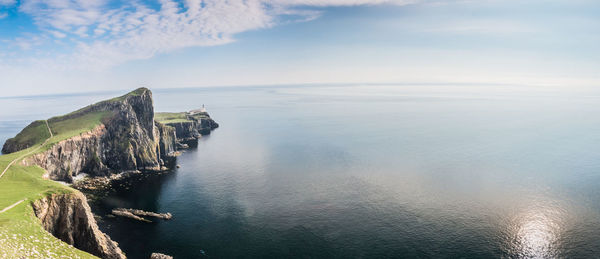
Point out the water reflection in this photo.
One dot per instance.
(370, 172)
(537, 232)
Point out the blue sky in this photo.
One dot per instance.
(56, 46)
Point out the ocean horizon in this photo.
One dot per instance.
(364, 171)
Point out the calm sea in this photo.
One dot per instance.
(365, 172)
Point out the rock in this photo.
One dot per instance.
(69, 218)
(187, 130)
(129, 140)
(160, 256)
(137, 214)
(127, 214)
(199, 124)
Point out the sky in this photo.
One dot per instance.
(65, 46)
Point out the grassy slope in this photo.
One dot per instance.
(34, 133)
(21, 234)
(170, 117)
(174, 117)
(64, 129)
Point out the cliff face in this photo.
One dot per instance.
(166, 144)
(128, 139)
(185, 130)
(69, 218)
(198, 125)
(207, 125)
(68, 157)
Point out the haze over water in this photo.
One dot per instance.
(365, 171)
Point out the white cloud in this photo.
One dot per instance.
(57, 34)
(3, 15)
(339, 2)
(105, 35)
(7, 2)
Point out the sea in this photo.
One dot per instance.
(363, 171)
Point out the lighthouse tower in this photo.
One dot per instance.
(203, 108)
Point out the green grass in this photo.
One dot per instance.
(21, 233)
(67, 128)
(89, 108)
(170, 117)
(63, 127)
(33, 134)
(136, 92)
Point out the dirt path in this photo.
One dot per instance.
(12, 206)
(21, 157)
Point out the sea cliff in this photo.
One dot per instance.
(69, 218)
(127, 139)
(103, 139)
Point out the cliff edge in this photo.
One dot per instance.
(125, 137)
(69, 218)
(108, 137)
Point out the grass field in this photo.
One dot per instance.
(170, 117)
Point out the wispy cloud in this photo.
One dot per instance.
(7, 2)
(104, 35)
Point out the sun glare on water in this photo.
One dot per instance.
(536, 233)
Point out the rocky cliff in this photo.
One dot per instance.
(206, 124)
(124, 137)
(127, 139)
(196, 125)
(186, 130)
(69, 218)
(68, 157)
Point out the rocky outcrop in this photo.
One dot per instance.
(187, 130)
(207, 124)
(167, 141)
(197, 125)
(69, 218)
(128, 139)
(139, 214)
(167, 144)
(160, 256)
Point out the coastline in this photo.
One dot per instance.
(63, 210)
